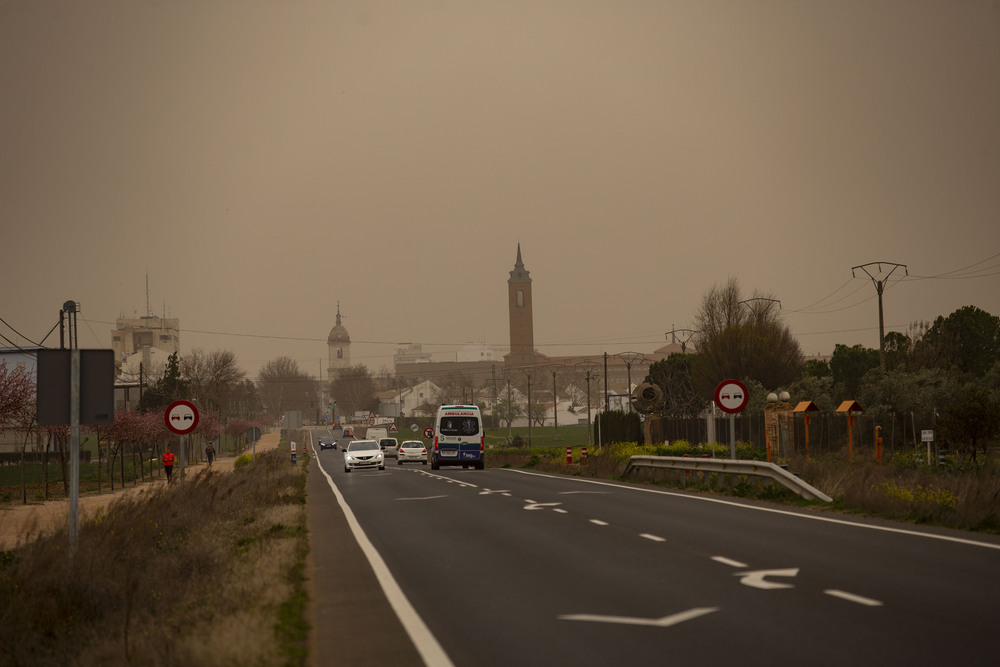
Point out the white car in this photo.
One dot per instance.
(363, 454)
(411, 450)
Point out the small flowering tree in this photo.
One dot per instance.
(17, 410)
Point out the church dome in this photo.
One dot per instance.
(338, 334)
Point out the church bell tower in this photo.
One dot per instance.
(522, 337)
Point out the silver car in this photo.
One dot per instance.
(363, 454)
(388, 446)
(412, 450)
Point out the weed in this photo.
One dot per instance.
(149, 568)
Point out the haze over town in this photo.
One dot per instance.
(263, 161)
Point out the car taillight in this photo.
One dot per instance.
(435, 443)
(482, 443)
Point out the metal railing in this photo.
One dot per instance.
(728, 467)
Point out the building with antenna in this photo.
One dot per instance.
(148, 336)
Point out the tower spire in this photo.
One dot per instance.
(519, 274)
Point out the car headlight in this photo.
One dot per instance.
(348, 458)
(379, 455)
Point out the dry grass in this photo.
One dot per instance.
(208, 573)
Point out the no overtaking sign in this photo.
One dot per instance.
(181, 417)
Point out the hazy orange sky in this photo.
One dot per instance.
(263, 160)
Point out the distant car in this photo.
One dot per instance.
(388, 446)
(363, 454)
(327, 442)
(411, 450)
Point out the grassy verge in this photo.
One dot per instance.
(956, 495)
(208, 573)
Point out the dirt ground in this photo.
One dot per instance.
(20, 523)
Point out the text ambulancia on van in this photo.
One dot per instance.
(458, 437)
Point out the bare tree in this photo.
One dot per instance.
(214, 377)
(354, 390)
(743, 338)
(283, 386)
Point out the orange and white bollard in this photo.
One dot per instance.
(583, 457)
(569, 456)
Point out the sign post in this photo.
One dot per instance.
(731, 396)
(253, 435)
(927, 435)
(182, 418)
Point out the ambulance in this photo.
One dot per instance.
(458, 437)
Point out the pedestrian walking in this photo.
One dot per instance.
(210, 453)
(168, 463)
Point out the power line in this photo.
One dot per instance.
(19, 334)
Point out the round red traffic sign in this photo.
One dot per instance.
(428, 432)
(181, 417)
(731, 396)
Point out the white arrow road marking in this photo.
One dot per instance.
(851, 597)
(664, 622)
(756, 578)
(532, 505)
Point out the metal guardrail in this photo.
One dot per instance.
(729, 467)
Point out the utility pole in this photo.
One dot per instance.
(528, 374)
(629, 358)
(879, 288)
(555, 407)
(607, 405)
(758, 310)
(589, 370)
(672, 337)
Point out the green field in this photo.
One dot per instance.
(541, 436)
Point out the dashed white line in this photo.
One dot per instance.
(561, 511)
(598, 522)
(851, 597)
(654, 538)
(729, 561)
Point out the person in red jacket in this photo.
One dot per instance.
(168, 463)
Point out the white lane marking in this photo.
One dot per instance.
(599, 522)
(664, 622)
(487, 492)
(842, 522)
(560, 511)
(728, 561)
(449, 479)
(532, 505)
(425, 642)
(851, 597)
(755, 579)
(422, 498)
(570, 493)
(654, 538)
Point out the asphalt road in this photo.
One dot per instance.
(505, 567)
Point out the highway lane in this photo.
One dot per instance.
(506, 567)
